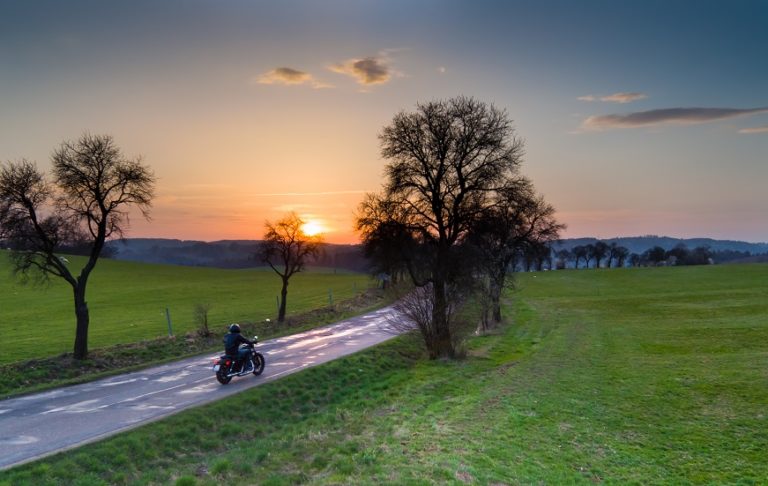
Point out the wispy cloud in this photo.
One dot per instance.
(763, 129)
(289, 76)
(615, 97)
(666, 115)
(624, 97)
(367, 71)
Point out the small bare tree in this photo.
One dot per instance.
(414, 311)
(286, 249)
(200, 313)
(85, 205)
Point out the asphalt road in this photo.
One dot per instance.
(34, 426)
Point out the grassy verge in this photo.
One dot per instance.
(649, 376)
(44, 373)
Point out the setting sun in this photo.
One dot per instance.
(312, 228)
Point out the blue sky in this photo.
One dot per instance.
(639, 117)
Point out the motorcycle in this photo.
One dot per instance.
(227, 367)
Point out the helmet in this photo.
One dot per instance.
(234, 328)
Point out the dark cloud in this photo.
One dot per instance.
(367, 71)
(666, 115)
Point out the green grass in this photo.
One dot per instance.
(45, 373)
(646, 376)
(127, 303)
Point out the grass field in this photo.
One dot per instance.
(643, 376)
(127, 303)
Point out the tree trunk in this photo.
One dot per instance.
(283, 298)
(496, 301)
(484, 319)
(440, 345)
(496, 310)
(81, 332)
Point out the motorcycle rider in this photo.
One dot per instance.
(232, 341)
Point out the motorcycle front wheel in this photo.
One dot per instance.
(258, 363)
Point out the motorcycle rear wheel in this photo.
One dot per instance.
(221, 375)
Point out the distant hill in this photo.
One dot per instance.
(239, 253)
(638, 244)
(223, 254)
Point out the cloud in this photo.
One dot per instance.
(289, 76)
(285, 75)
(615, 97)
(624, 97)
(763, 129)
(367, 71)
(666, 115)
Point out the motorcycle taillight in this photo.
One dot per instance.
(228, 362)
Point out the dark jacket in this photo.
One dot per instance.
(232, 342)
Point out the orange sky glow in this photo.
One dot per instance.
(635, 121)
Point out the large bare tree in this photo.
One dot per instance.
(286, 249)
(85, 204)
(446, 159)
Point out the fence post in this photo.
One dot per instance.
(330, 297)
(168, 317)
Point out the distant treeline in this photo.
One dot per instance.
(567, 253)
(611, 255)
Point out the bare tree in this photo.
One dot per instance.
(562, 258)
(200, 314)
(519, 221)
(286, 249)
(535, 254)
(85, 205)
(617, 253)
(655, 255)
(598, 252)
(579, 252)
(385, 236)
(612, 254)
(413, 311)
(446, 160)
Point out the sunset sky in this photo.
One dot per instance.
(646, 117)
